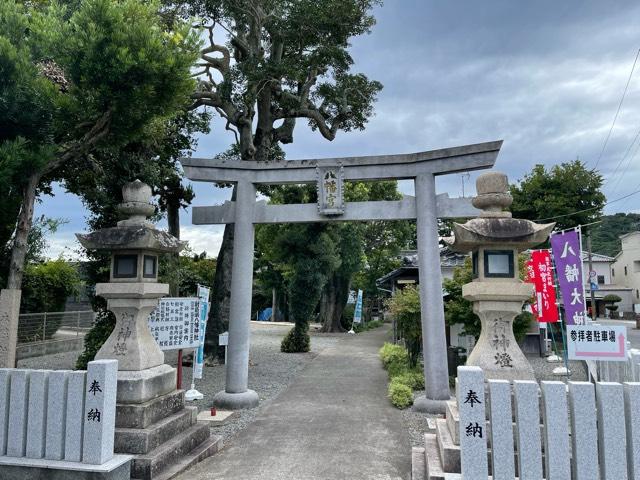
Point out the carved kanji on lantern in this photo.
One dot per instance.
(330, 190)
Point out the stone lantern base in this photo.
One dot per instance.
(497, 352)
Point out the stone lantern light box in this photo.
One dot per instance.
(134, 244)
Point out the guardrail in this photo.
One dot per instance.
(52, 332)
(53, 326)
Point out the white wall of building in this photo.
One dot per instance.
(626, 268)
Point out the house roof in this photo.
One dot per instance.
(597, 257)
(448, 258)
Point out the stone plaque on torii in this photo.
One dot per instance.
(426, 207)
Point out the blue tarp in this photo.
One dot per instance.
(264, 315)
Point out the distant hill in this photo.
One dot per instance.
(606, 235)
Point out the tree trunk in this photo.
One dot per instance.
(173, 220)
(25, 218)
(173, 216)
(334, 297)
(274, 304)
(218, 321)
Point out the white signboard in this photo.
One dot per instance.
(596, 342)
(175, 323)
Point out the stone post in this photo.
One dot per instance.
(99, 411)
(236, 394)
(9, 315)
(434, 342)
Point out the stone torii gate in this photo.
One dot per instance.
(329, 173)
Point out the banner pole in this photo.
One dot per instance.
(560, 315)
(179, 375)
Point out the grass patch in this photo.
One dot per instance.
(363, 327)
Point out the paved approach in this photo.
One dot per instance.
(333, 422)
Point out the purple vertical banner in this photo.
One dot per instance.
(568, 260)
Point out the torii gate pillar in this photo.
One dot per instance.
(426, 208)
(434, 340)
(236, 394)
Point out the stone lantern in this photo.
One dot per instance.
(133, 290)
(152, 422)
(494, 240)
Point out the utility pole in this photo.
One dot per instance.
(594, 313)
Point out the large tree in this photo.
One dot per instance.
(278, 61)
(568, 194)
(72, 79)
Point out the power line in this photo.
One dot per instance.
(624, 171)
(588, 209)
(618, 110)
(626, 154)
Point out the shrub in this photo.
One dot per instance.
(93, 341)
(405, 307)
(400, 394)
(390, 353)
(45, 288)
(347, 316)
(296, 341)
(413, 379)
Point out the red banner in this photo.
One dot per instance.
(531, 278)
(546, 309)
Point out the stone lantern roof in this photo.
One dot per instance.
(495, 226)
(135, 232)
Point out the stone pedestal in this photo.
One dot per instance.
(131, 342)
(154, 425)
(497, 352)
(9, 314)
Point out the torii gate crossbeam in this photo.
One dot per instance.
(425, 207)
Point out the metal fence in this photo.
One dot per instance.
(53, 326)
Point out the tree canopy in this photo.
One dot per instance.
(568, 194)
(606, 235)
(283, 60)
(73, 78)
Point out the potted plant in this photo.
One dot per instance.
(610, 303)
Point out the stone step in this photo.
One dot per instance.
(432, 461)
(418, 468)
(453, 420)
(448, 451)
(207, 448)
(143, 440)
(150, 465)
(141, 415)
(448, 454)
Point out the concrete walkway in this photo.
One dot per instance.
(333, 422)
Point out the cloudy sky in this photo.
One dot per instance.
(545, 76)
